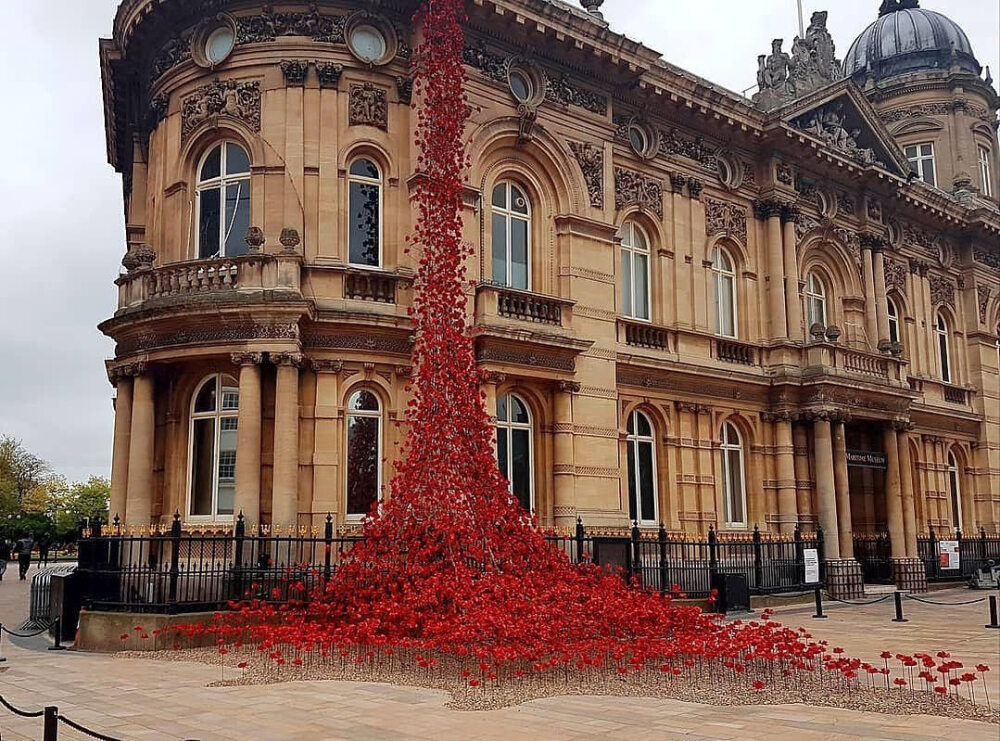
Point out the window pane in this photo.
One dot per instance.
(213, 165)
(643, 426)
(521, 466)
(362, 464)
(202, 466)
(365, 169)
(627, 306)
(499, 249)
(646, 483)
(206, 397)
(209, 203)
(929, 176)
(519, 204)
(945, 360)
(364, 401)
(519, 254)
(500, 196)
(736, 492)
(518, 411)
(503, 442)
(364, 224)
(237, 217)
(632, 494)
(502, 408)
(726, 318)
(237, 161)
(227, 468)
(641, 263)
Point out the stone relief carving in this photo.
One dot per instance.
(695, 187)
(983, 293)
(874, 209)
(404, 89)
(938, 109)
(174, 52)
(812, 65)
(269, 25)
(725, 218)
(785, 173)
(329, 74)
(829, 123)
(672, 143)
(368, 106)
(234, 98)
(158, 108)
(846, 203)
(749, 174)
(942, 291)
(635, 189)
(591, 161)
(990, 259)
(237, 332)
(917, 237)
(895, 274)
(295, 71)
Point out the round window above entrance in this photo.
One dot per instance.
(219, 44)
(368, 43)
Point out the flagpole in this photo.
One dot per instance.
(802, 22)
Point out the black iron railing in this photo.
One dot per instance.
(874, 553)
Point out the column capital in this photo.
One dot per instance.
(826, 415)
(782, 416)
(902, 425)
(768, 208)
(789, 213)
(494, 377)
(127, 370)
(247, 358)
(287, 359)
(323, 365)
(873, 241)
(568, 387)
(677, 182)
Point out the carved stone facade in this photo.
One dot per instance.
(591, 161)
(813, 64)
(231, 98)
(368, 106)
(725, 218)
(634, 189)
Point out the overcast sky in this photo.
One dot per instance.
(60, 202)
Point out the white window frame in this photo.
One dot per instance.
(368, 414)
(892, 311)
(634, 439)
(218, 414)
(955, 489)
(720, 274)
(816, 294)
(726, 446)
(942, 331)
(508, 426)
(919, 160)
(510, 215)
(631, 248)
(221, 183)
(362, 180)
(985, 170)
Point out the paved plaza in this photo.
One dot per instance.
(148, 699)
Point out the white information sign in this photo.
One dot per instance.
(948, 551)
(811, 556)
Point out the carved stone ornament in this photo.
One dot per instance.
(293, 359)
(289, 240)
(269, 26)
(591, 161)
(231, 98)
(295, 71)
(404, 89)
(329, 74)
(677, 182)
(527, 116)
(673, 143)
(813, 64)
(942, 291)
(784, 173)
(231, 332)
(158, 108)
(247, 358)
(695, 187)
(368, 106)
(320, 365)
(895, 274)
(139, 257)
(983, 293)
(635, 189)
(914, 236)
(174, 52)
(829, 123)
(985, 257)
(875, 209)
(725, 218)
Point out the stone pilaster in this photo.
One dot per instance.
(248, 438)
(284, 501)
(139, 496)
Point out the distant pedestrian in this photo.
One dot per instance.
(4, 556)
(23, 551)
(44, 545)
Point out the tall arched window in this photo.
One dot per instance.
(955, 489)
(724, 292)
(734, 498)
(212, 458)
(511, 236)
(943, 333)
(223, 202)
(635, 271)
(893, 320)
(642, 505)
(364, 453)
(364, 213)
(514, 452)
(815, 300)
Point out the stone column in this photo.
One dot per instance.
(771, 212)
(826, 493)
(845, 527)
(564, 468)
(248, 438)
(893, 493)
(800, 436)
(907, 568)
(785, 451)
(120, 452)
(285, 489)
(881, 296)
(139, 496)
(906, 486)
(493, 380)
(871, 318)
(793, 306)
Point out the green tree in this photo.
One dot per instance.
(20, 470)
(83, 500)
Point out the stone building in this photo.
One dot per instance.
(694, 308)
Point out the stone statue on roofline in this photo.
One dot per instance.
(812, 64)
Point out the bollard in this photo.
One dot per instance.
(899, 608)
(51, 727)
(57, 646)
(819, 605)
(994, 621)
(2, 657)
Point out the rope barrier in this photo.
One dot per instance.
(788, 596)
(944, 604)
(18, 711)
(87, 731)
(11, 633)
(860, 604)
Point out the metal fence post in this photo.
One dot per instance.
(758, 561)
(935, 558)
(982, 546)
(820, 553)
(713, 555)
(328, 547)
(800, 556)
(580, 535)
(51, 727)
(239, 534)
(661, 536)
(175, 557)
(636, 551)
(961, 556)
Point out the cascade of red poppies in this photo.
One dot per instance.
(451, 566)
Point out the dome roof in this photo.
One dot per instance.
(907, 38)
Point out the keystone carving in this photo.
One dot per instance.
(231, 98)
(634, 189)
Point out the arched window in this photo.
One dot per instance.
(642, 505)
(943, 332)
(214, 413)
(724, 292)
(955, 489)
(511, 236)
(815, 300)
(364, 454)
(635, 271)
(514, 452)
(223, 201)
(364, 213)
(734, 499)
(893, 320)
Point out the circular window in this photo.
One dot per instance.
(638, 138)
(730, 170)
(521, 86)
(368, 43)
(219, 44)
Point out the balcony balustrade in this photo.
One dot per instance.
(370, 286)
(641, 334)
(731, 351)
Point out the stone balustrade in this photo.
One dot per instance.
(733, 351)
(642, 334)
(865, 364)
(370, 286)
(522, 306)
